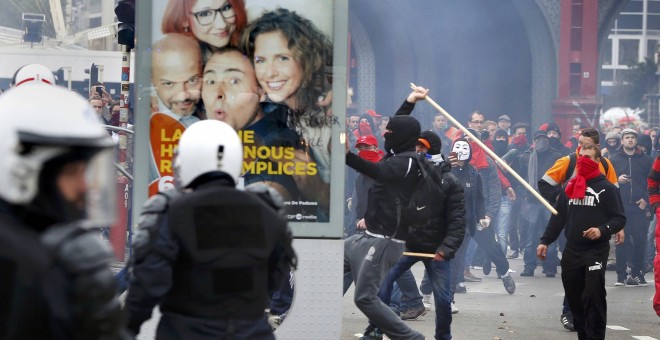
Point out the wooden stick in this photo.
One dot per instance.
(489, 152)
(407, 253)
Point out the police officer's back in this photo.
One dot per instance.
(216, 253)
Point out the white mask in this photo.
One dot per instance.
(462, 150)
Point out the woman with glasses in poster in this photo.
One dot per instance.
(215, 23)
(292, 59)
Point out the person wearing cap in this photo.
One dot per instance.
(377, 119)
(554, 137)
(612, 143)
(531, 165)
(367, 147)
(443, 237)
(504, 123)
(633, 166)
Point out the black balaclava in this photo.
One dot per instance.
(501, 147)
(402, 134)
(645, 141)
(555, 142)
(434, 141)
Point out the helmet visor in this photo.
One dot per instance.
(102, 184)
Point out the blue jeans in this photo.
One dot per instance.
(282, 298)
(538, 217)
(122, 280)
(405, 294)
(471, 250)
(503, 223)
(440, 277)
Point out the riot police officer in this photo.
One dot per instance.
(211, 256)
(55, 184)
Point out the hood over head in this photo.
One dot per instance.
(401, 135)
(433, 140)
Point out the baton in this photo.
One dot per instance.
(489, 152)
(407, 253)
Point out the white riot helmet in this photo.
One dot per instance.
(33, 73)
(207, 147)
(43, 129)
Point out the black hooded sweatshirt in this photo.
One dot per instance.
(601, 207)
(394, 177)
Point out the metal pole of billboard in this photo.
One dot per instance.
(68, 75)
(489, 152)
(100, 68)
(118, 234)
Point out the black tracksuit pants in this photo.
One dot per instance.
(583, 276)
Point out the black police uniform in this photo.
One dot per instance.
(211, 260)
(55, 281)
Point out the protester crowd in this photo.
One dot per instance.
(410, 187)
(492, 233)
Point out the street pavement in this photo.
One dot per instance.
(488, 312)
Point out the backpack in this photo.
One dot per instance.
(572, 160)
(426, 197)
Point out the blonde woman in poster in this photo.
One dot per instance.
(291, 58)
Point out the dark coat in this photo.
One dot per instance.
(638, 167)
(445, 232)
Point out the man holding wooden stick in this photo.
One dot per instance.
(370, 256)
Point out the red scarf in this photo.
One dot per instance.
(519, 141)
(370, 155)
(478, 159)
(586, 170)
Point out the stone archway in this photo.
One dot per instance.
(473, 55)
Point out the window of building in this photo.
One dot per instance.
(634, 6)
(607, 75)
(653, 6)
(94, 22)
(575, 80)
(576, 25)
(628, 51)
(607, 52)
(651, 46)
(630, 22)
(653, 21)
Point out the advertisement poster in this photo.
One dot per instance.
(265, 68)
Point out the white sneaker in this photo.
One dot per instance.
(454, 309)
(426, 300)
